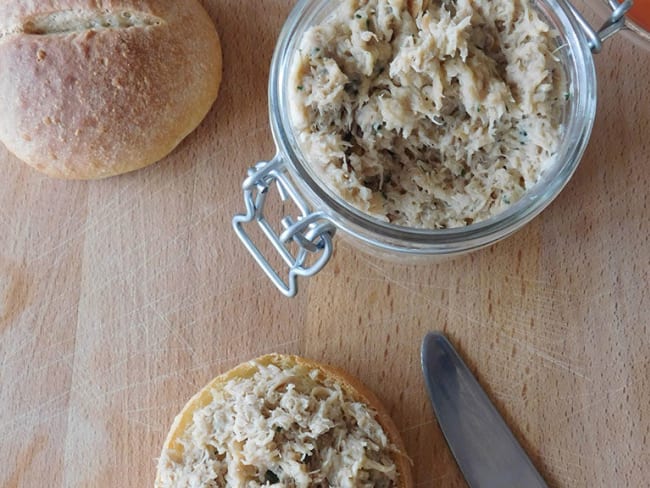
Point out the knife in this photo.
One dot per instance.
(485, 449)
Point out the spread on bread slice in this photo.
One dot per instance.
(283, 421)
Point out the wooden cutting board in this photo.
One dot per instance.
(120, 298)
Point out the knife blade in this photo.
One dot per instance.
(485, 449)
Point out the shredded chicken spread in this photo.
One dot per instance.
(430, 113)
(283, 427)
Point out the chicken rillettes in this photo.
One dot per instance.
(430, 113)
(282, 427)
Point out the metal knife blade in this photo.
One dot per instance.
(484, 447)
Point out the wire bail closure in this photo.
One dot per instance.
(614, 24)
(311, 231)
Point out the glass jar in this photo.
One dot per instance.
(321, 212)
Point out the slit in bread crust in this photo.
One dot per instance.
(70, 21)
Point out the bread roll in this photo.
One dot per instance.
(93, 89)
(283, 421)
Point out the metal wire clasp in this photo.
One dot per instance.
(311, 231)
(615, 23)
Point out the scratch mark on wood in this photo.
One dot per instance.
(174, 333)
(35, 412)
(19, 349)
(157, 408)
(150, 381)
(417, 426)
(565, 365)
(114, 210)
(150, 427)
(18, 379)
(89, 224)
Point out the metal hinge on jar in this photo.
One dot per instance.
(312, 232)
(615, 23)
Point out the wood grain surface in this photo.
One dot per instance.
(120, 298)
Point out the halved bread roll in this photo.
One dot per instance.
(283, 420)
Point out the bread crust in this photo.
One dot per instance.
(349, 384)
(84, 102)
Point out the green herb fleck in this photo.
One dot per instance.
(567, 95)
(506, 200)
(300, 87)
(358, 16)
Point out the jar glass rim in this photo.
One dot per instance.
(581, 78)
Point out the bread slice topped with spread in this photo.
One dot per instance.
(282, 420)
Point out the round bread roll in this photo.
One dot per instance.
(283, 420)
(90, 92)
